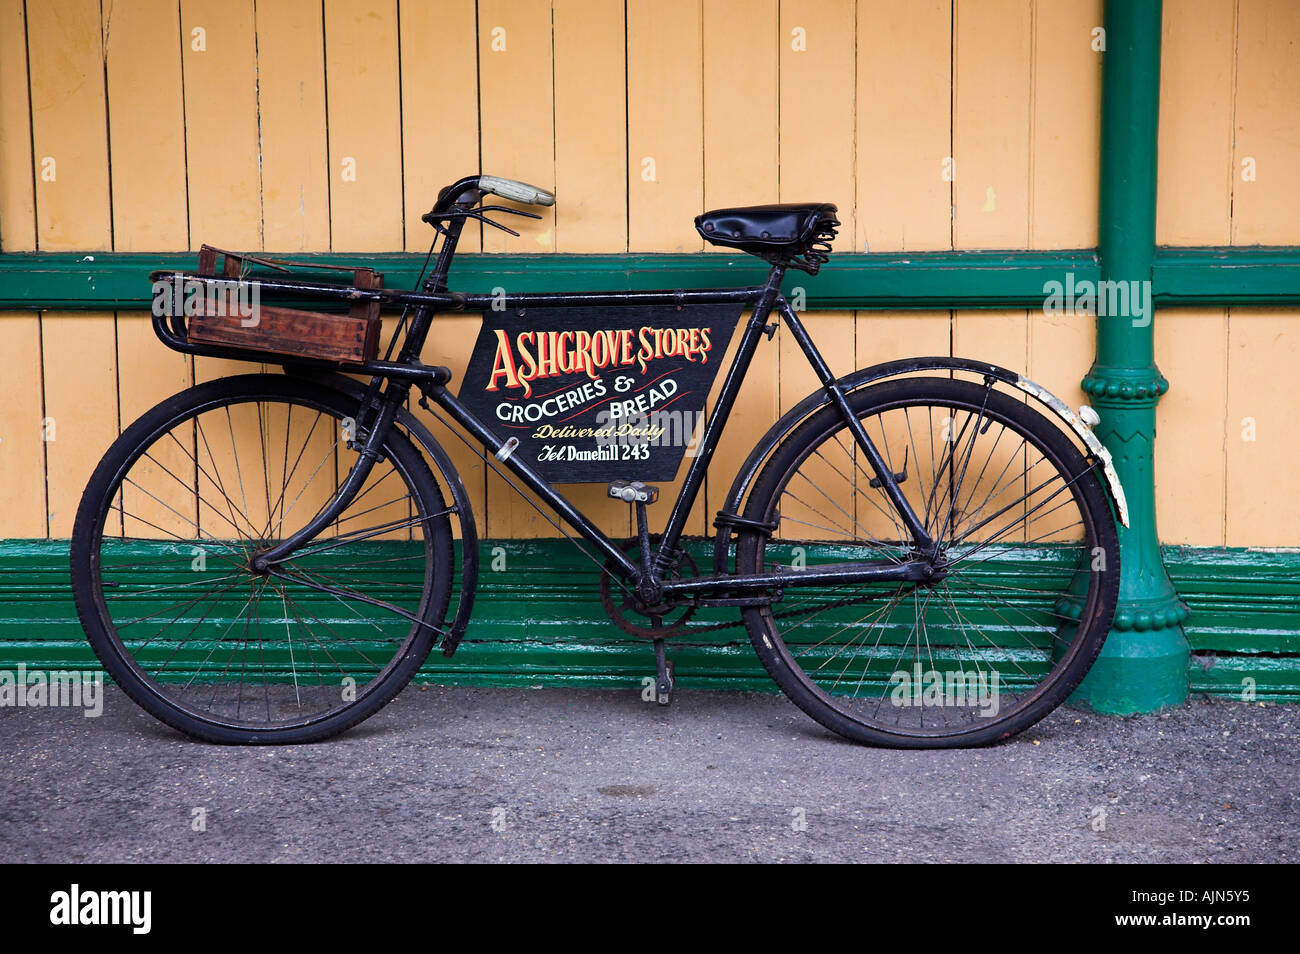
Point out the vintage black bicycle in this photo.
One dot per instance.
(921, 555)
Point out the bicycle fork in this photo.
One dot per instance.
(367, 456)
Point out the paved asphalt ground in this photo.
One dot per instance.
(573, 775)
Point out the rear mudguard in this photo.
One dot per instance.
(450, 477)
(858, 379)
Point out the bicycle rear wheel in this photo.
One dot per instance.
(1028, 550)
(161, 564)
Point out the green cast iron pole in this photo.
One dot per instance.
(1143, 665)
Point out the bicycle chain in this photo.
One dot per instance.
(666, 632)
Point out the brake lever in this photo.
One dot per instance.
(504, 208)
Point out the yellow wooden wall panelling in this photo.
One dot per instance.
(1065, 139)
(365, 155)
(904, 96)
(517, 111)
(146, 135)
(1194, 207)
(1263, 348)
(992, 106)
(591, 167)
(1194, 177)
(590, 127)
(904, 170)
(665, 125)
(219, 72)
(440, 143)
(1262, 462)
(517, 116)
(22, 452)
(439, 108)
(365, 163)
(665, 157)
(291, 112)
(741, 129)
(816, 43)
(68, 124)
(17, 196)
(1266, 210)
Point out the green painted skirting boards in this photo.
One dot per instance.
(539, 623)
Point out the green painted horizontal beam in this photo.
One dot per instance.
(539, 622)
(1241, 276)
(974, 279)
(1245, 275)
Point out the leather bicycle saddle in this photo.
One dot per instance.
(797, 234)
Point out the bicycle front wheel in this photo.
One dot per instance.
(162, 552)
(1027, 549)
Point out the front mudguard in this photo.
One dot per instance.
(451, 478)
(863, 377)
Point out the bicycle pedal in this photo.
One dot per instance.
(633, 491)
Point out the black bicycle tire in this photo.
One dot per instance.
(779, 662)
(87, 533)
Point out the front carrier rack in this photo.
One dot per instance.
(218, 312)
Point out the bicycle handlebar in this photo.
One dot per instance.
(516, 191)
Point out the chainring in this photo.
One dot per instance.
(630, 615)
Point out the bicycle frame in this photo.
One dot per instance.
(408, 371)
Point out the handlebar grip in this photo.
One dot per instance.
(516, 191)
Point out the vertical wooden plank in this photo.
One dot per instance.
(817, 43)
(365, 159)
(1195, 172)
(991, 146)
(68, 126)
(220, 72)
(1060, 350)
(68, 115)
(364, 125)
(1262, 461)
(1192, 427)
(1262, 457)
(17, 193)
(440, 144)
(439, 108)
(146, 133)
(291, 107)
(146, 126)
(22, 452)
(665, 124)
(517, 111)
(904, 99)
(991, 110)
(1194, 207)
(1066, 125)
(1266, 157)
(665, 143)
(741, 130)
(590, 127)
(591, 166)
(79, 362)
